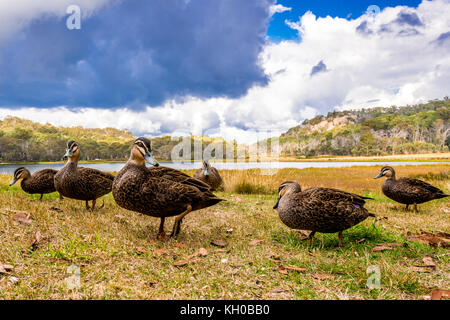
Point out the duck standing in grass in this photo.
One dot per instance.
(318, 209)
(408, 190)
(40, 182)
(81, 183)
(209, 175)
(159, 191)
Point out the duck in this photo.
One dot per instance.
(319, 209)
(209, 175)
(159, 191)
(408, 191)
(40, 182)
(81, 183)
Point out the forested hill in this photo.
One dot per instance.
(24, 140)
(422, 128)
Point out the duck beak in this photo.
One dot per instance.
(151, 160)
(68, 153)
(13, 181)
(276, 203)
(206, 172)
(379, 175)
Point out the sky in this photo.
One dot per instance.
(237, 69)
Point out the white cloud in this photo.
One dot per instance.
(278, 8)
(380, 67)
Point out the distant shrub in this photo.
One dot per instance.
(441, 176)
(249, 188)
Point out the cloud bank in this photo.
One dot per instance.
(397, 57)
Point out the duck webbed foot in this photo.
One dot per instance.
(177, 224)
(161, 236)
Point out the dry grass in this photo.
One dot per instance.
(119, 259)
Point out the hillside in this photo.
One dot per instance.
(422, 128)
(25, 140)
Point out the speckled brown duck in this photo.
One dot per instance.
(159, 191)
(323, 210)
(209, 175)
(40, 182)
(408, 190)
(81, 183)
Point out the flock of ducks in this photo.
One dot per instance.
(163, 192)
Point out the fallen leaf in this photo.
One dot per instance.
(381, 248)
(391, 244)
(202, 252)
(219, 243)
(282, 270)
(442, 239)
(180, 245)
(421, 269)
(294, 268)
(36, 240)
(5, 268)
(141, 250)
(238, 199)
(254, 242)
(184, 262)
(437, 294)
(161, 252)
(428, 261)
(22, 217)
(321, 276)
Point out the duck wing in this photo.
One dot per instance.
(335, 195)
(418, 186)
(178, 176)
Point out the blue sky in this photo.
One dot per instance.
(180, 67)
(348, 9)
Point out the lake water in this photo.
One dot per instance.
(111, 167)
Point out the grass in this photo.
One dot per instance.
(119, 258)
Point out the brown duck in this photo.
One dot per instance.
(159, 191)
(319, 209)
(209, 175)
(408, 190)
(40, 182)
(81, 183)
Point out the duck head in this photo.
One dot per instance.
(387, 172)
(72, 151)
(142, 151)
(287, 188)
(20, 173)
(206, 169)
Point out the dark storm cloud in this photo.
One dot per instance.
(137, 52)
